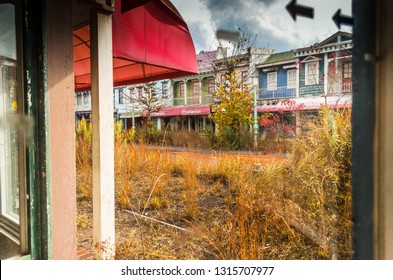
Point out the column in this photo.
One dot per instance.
(103, 139)
(185, 93)
(326, 72)
(158, 123)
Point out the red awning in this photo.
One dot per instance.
(150, 42)
(315, 103)
(182, 111)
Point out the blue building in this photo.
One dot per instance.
(278, 76)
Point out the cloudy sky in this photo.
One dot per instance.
(268, 19)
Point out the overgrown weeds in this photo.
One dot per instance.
(225, 207)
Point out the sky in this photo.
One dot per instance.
(267, 19)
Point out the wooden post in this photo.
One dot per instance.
(103, 139)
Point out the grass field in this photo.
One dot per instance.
(179, 206)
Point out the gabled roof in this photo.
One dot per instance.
(336, 42)
(344, 36)
(278, 58)
(339, 38)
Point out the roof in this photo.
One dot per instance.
(205, 59)
(330, 41)
(279, 58)
(345, 36)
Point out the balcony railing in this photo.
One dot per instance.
(280, 92)
(340, 88)
(193, 100)
(82, 107)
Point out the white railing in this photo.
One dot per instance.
(193, 100)
(82, 107)
(279, 92)
(340, 88)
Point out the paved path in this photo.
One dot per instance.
(210, 155)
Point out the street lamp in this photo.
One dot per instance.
(255, 81)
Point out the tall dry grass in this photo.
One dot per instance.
(176, 207)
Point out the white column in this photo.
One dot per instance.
(298, 79)
(185, 92)
(158, 123)
(103, 139)
(326, 72)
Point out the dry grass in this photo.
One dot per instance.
(230, 208)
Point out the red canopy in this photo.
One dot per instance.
(182, 111)
(150, 42)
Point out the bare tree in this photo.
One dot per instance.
(240, 55)
(149, 99)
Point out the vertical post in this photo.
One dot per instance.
(132, 99)
(103, 138)
(200, 90)
(297, 78)
(255, 80)
(185, 93)
(326, 75)
(159, 123)
(363, 129)
(133, 115)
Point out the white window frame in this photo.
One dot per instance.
(312, 78)
(182, 89)
(291, 82)
(121, 96)
(272, 81)
(347, 71)
(164, 89)
(86, 99)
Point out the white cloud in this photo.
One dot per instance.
(267, 18)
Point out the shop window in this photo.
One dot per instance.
(12, 185)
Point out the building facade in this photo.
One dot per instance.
(312, 76)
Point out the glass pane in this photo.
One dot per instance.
(8, 111)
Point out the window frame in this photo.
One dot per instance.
(289, 80)
(211, 86)
(347, 71)
(196, 89)
(164, 89)
(271, 82)
(315, 76)
(182, 89)
(20, 230)
(121, 96)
